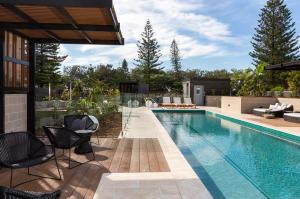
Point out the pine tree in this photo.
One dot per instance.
(125, 66)
(175, 59)
(47, 64)
(148, 54)
(275, 40)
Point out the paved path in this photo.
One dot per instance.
(180, 182)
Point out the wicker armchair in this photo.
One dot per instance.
(24, 150)
(63, 138)
(82, 122)
(9, 193)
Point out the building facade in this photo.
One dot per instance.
(199, 88)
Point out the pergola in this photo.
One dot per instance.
(23, 23)
(295, 65)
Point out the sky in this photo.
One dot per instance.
(211, 34)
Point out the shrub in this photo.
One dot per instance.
(278, 88)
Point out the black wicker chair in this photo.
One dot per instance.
(63, 138)
(24, 150)
(82, 122)
(9, 193)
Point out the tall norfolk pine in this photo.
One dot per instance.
(175, 59)
(275, 40)
(48, 62)
(148, 54)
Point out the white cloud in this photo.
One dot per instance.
(197, 34)
(62, 50)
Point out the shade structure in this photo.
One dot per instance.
(295, 65)
(62, 21)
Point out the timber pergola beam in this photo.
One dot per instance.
(62, 3)
(25, 17)
(56, 26)
(294, 65)
(77, 41)
(64, 21)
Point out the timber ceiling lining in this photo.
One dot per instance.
(8, 16)
(42, 14)
(62, 24)
(97, 16)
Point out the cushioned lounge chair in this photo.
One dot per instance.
(188, 102)
(9, 193)
(292, 117)
(277, 110)
(23, 150)
(167, 102)
(177, 101)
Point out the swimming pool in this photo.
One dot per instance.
(234, 159)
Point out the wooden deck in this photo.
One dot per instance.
(112, 155)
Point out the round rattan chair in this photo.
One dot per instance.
(9, 193)
(82, 122)
(24, 150)
(63, 138)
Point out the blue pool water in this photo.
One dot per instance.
(235, 161)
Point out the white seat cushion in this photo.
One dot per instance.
(262, 110)
(177, 100)
(188, 101)
(292, 114)
(166, 100)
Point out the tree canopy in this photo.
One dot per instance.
(48, 62)
(148, 61)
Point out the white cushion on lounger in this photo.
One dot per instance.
(166, 100)
(262, 110)
(292, 114)
(188, 100)
(284, 106)
(177, 100)
(272, 106)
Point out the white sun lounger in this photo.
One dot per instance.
(177, 101)
(188, 102)
(167, 101)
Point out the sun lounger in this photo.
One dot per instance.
(188, 102)
(277, 110)
(177, 101)
(167, 102)
(292, 117)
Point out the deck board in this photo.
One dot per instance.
(163, 165)
(135, 156)
(153, 161)
(112, 155)
(126, 158)
(144, 160)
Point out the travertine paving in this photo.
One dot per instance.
(277, 124)
(180, 182)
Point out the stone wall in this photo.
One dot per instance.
(213, 101)
(231, 104)
(15, 112)
(248, 103)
